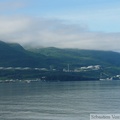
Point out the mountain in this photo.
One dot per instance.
(78, 57)
(14, 55)
(16, 46)
(51, 58)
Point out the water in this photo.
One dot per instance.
(58, 100)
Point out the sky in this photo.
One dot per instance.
(83, 24)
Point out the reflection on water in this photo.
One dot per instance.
(58, 100)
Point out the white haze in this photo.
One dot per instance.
(53, 32)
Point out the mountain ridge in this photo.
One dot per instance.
(56, 64)
(13, 54)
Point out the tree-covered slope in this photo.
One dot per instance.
(15, 55)
(12, 55)
(77, 57)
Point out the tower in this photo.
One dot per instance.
(68, 68)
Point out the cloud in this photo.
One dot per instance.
(48, 32)
(12, 25)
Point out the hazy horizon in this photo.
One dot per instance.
(83, 24)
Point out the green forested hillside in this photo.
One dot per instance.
(77, 57)
(14, 55)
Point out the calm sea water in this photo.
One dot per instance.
(58, 100)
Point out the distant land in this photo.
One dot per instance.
(55, 64)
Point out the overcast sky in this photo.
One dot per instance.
(84, 24)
